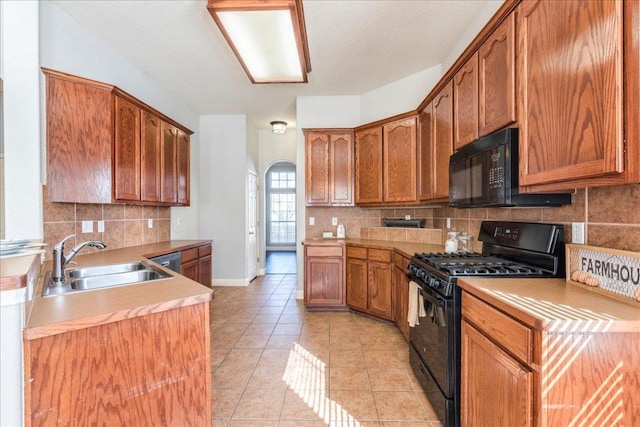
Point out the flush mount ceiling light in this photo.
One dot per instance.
(278, 127)
(267, 36)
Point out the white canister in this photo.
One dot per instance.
(340, 233)
(451, 244)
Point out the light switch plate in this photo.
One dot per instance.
(100, 226)
(150, 223)
(334, 221)
(87, 226)
(312, 221)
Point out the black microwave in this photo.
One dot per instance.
(484, 173)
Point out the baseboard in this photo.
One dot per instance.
(230, 282)
(300, 294)
(262, 272)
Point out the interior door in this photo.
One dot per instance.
(252, 226)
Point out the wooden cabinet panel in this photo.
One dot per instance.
(379, 289)
(368, 149)
(442, 141)
(491, 375)
(150, 173)
(205, 264)
(78, 112)
(168, 163)
(570, 103)
(400, 292)
(105, 146)
(196, 264)
(341, 169)
(426, 153)
(465, 108)
(190, 269)
(127, 151)
(496, 79)
(324, 282)
(357, 283)
(399, 161)
(317, 168)
(182, 168)
(147, 370)
(329, 167)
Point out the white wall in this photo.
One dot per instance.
(68, 46)
(479, 21)
(272, 148)
(398, 97)
(223, 184)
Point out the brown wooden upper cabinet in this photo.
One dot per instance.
(329, 167)
(436, 145)
(105, 146)
(465, 108)
(496, 79)
(571, 103)
(386, 163)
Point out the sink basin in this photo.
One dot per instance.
(100, 270)
(104, 276)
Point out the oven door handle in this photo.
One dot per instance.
(431, 299)
(437, 315)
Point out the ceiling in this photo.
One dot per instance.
(355, 46)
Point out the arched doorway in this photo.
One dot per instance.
(280, 219)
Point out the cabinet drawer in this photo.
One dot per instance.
(400, 261)
(335, 251)
(504, 330)
(353, 252)
(379, 255)
(189, 255)
(204, 251)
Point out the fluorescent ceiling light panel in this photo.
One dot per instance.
(268, 38)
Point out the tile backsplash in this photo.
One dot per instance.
(611, 216)
(124, 225)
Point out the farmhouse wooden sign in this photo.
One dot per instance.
(609, 271)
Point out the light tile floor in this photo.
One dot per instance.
(276, 364)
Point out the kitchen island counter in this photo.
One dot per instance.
(72, 311)
(555, 305)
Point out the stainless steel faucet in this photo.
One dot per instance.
(60, 260)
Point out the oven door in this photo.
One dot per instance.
(434, 340)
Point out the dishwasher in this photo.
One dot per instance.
(171, 261)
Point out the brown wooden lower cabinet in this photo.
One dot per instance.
(517, 375)
(196, 264)
(369, 281)
(148, 370)
(400, 293)
(324, 275)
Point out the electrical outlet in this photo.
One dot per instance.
(334, 221)
(150, 223)
(448, 223)
(577, 232)
(312, 221)
(87, 226)
(100, 226)
(407, 217)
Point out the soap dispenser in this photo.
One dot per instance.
(340, 233)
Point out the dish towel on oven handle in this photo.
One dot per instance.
(416, 305)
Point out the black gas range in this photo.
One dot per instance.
(509, 249)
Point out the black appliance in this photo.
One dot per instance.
(485, 173)
(509, 249)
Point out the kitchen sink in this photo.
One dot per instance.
(103, 276)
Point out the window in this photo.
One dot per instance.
(281, 206)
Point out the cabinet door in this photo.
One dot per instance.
(182, 168)
(491, 375)
(127, 151)
(570, 103)
(317, 168)
(190, 269)
(400, 291)
(204, 270)
(324, 283)
(465, 108)
(442, 140)
(168, 163)
(357, 283)
(341, 169)
(399, 161)
(496, 78)
(369, 166)
(426, 153)
(150, 171)
(379, 289)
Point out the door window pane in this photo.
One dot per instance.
(281, 199)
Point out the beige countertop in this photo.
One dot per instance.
(408, 249)
(62, 313)
(555, 305)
